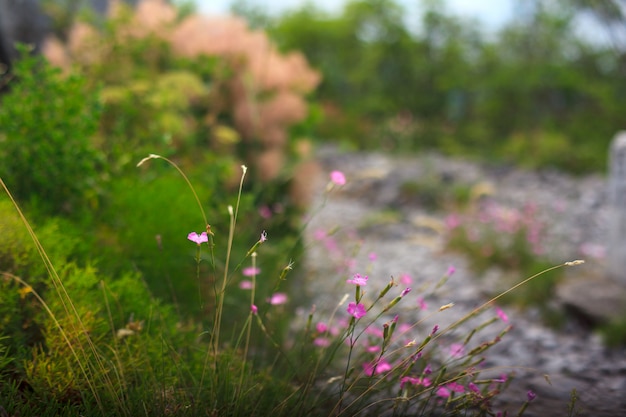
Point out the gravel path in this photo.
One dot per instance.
(370, 222)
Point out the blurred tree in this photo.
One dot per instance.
(375, 67)
(546, 83)
(611, 13)
(537, 92)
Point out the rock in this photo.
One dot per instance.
(616, 264)
(595, 298)
(574, 212)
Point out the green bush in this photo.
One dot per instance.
(47, 122)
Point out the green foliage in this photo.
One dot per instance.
(19, 311)
(156, 102)
(151, 236)
(435, 193)
(156, 112)
(534, 93)
(47, 122)
(18, 254)
(614, 332)
(5, 359)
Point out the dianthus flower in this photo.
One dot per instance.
(358, 279)
(198, 238)
(356, 310)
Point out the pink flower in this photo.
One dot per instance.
(278, 298)
(410, 380)
(356, 310)
(502, 315)
(263, 237)
(374, 331)
(593, 250)
(421, 304)
(457, 350)
(321, 327)
(338, 178)
(250, 271)
(451, 270)
(502, 379)
(406, 279)
(405, 292)
(452, 221)
(350, 263)
(455, 387)
(265, 212)
(404, 327)
(331, 244)
(372, 256)
(443, 392)
(383, 366)
(415, 381)
(198, 238)
(246, 285)
(378, 368)
(321, 342)
(531, 396)
(434, 330)
(319, 234)
(474, 387)
(372, 349)
(254, 309)
(358, 279)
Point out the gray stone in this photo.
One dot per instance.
(596, 298)
(574, 213)
(616, 262)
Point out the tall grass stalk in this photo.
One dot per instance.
(503, 293)
(232, 214)
(248, 324)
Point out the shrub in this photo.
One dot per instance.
(47, 122)
(225, 76)
(210, 94)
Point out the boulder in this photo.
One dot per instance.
(593, 297)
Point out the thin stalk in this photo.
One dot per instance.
(180, 171)
(231, 236)
(482, 306)
(248, 322)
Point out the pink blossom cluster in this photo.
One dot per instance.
(265, 94)
(495, 225)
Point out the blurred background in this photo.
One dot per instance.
(88, 88)
(536, 83)
(98, 85)
(213, 85)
